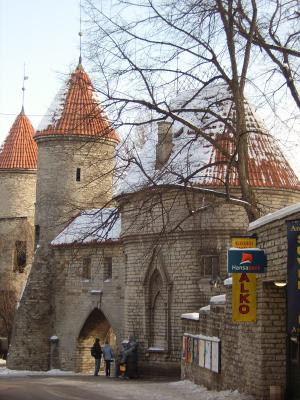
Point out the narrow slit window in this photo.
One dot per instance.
(20, 256)
(36, 236)
(78, 174)
(107, 270)
(86, 268)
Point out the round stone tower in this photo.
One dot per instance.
(76, 151)
(18, 158)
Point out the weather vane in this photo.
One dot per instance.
(23, 88)
(80, 33)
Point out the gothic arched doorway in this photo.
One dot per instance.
(96, 326)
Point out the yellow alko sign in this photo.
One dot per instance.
(243, 297)
(243, 287)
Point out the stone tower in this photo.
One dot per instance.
(76, 147)
(18, 157)
(74, 140)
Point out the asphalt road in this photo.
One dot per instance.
(56, 388)
(84, 387)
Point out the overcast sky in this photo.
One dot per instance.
(43, 34)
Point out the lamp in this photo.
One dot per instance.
(280, 283)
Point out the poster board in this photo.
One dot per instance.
(207, 362)
(215, 360)
(201, 350)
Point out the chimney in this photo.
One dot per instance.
(164, 145)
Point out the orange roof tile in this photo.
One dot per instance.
(76, 111)
(267, 165)
(19, 150)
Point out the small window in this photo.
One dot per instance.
(20, 256)
(86, 268)
(107, 270)
(210, 266)
(36, 235)
(78, 174)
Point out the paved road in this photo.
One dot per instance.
(83, 387)
(52, 388)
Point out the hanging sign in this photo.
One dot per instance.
(243, 284)
(243, 242)
(246, 260)
(293, 276)
(244, 297)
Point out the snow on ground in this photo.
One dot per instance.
(132, 389)
(53, 372)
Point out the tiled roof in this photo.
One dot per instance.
(19, 150)
(267, 164)
(196, 161)
(76, 111)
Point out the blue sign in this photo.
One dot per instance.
(246, 260)
(293, 277)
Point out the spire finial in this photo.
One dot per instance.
(80, 35)
(23, 89)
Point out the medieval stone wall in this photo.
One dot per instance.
(13, 230)
(162, 230)
(60, 196)
(76, 295)
(17, 193)
(253, 355)
(17, 197)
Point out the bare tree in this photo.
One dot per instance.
(277, 35)
(149, 52)
(8, 303)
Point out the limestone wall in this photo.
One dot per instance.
(59, 195)
(253, 355)
(75, 298)
(17, 193)
(165, 225)
(57, 302)
(11, 231)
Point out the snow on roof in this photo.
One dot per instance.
(220, 299)
(228, 281)
(76, 110)
(212, 111)
(282, 213)
(91, 226)
(203, 337)
(194, 316)
(205, 308)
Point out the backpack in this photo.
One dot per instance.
(93, 353)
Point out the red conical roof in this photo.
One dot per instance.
(76, 111)
(19, 150)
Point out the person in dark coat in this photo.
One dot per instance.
(96, 352)
(130, 358)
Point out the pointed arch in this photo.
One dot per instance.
(95, 325)
(157, 292)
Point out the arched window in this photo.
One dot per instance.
(157, 298)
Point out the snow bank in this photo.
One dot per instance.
(52, 372)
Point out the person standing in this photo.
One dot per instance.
(108, 355)
(96, 352)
